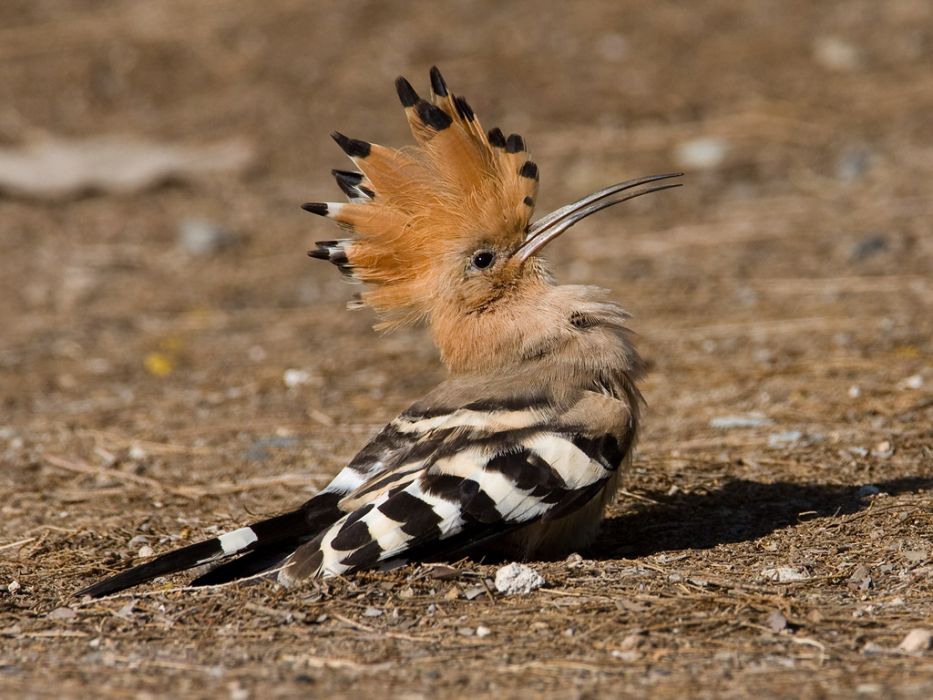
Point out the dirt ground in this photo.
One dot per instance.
(143, 400)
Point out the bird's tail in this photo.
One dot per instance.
(264, 544)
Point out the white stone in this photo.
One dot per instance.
(914, 381)
(918, 639)
(785, 439)
(785, 574)
(837, 54)
(296, 377)
(702, 153)
(518, 579)
(63, 614)
(750, 420)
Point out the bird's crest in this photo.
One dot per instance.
(411, 209)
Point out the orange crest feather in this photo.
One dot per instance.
(411, 209)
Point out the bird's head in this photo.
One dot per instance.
(442, 232)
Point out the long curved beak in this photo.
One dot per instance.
(549, 227)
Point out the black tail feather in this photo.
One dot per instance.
(264, 540)
(179, 560)
(256, 562)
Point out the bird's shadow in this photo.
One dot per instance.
(739, 511)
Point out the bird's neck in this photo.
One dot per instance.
(567, 330)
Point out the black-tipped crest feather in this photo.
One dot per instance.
(438, 84)
(433, 116)
(352, 147)
(406, 93)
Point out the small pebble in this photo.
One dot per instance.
(883, 449)
(200, 237)
(854, 392)
(776, 621)
(13, 586)
(751, 420)
(237, 691)
(474, 592)
(918, 639)
(145, 551)
(701, 154)
(518, 579)
(852, 164)
(137, 453)
(914, 381)
(861, 578)
(626, 656)
(296, 377)
(63, 614)
(785, 574)
(372, 612)
(835, 53)
(127, 610)
(785, 439)
(482, 631)
(868, 247)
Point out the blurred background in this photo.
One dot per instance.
(164, 339)
(154, 156)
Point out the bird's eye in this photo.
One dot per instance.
(483, 259)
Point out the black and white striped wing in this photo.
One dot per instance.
(434, 481)
(473, 484)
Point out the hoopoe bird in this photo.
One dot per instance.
(519, 451)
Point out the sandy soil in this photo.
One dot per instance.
(142, 400)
